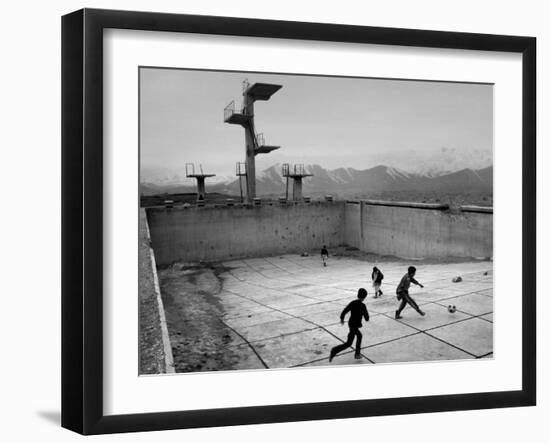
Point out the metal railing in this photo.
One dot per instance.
(229, 110)
(298, 169)
(260, 140)
(240, 168)
(189, 169)
(285, 170)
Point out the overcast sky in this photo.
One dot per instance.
(334, 122)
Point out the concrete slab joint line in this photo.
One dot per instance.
(168, 356)
(248, 343)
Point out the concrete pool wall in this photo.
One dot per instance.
(406, 230)
(221, 233)
(155, 352)
(417, 230)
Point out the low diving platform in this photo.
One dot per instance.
(200, 177)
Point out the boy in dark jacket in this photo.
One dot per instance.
(377, 278)
(403, 293)
(324, 255)
(358, 311)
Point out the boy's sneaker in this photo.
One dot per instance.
(358, 357)
(331, 357)
(397, 316)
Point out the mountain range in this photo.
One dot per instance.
(345, 182)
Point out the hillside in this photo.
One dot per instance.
(474, 186)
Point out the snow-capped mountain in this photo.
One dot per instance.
(344, 182)
(433, 163)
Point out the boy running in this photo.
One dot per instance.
(324, 255)
(358, 310)
(377, 278)
(403, 293)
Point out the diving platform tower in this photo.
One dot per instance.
(244, 116)
(200, 177)
(297, 173)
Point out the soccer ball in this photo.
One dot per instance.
(451, 309)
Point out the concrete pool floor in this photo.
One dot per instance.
(283, 311)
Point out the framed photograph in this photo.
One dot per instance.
(269, 221)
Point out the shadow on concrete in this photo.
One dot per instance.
(54, 417)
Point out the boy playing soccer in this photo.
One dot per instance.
(357, 310)
(377, 278)
(403, 292)
(324, 255)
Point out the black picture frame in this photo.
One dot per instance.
(82, 216)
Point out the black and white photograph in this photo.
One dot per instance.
(292, 221)
(245, 221)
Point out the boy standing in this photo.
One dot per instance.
(403, 293)
(324, 255)
(358, 311)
